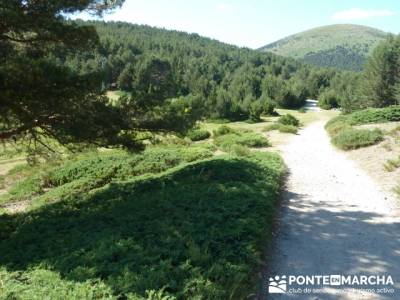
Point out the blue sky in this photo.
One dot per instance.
(254, 23)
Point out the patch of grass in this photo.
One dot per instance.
(2, 181)
(271, 127)
(352, 138)
(197, 231)
(288, 129)
(392, 164)
(387, 146)
(198, 135)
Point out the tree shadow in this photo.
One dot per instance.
(319, 238)
(201, 222)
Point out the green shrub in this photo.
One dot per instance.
(302, 110)
(328, 100)
(397, 190)
(352, 138)
(268, 108)
(249, 139)
(335, 125)
(198, 135)
(197, 231)
(367, 116)
(240, 150)
(375, 115)
(281, 127)
(255, 109)
(288, 129)
(273, 126)
(222, 130)
(288, 119)
(94, 170)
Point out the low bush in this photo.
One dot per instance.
(367, 116)
(288, 129)
(288, 119)
(375, 115)
(197, 231)
(198, 135)
(341, 131)
(336, 125)
(222, 130)
(352, 138)
(240, 150)
(249, 139)
(281, 128)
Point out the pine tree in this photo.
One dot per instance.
(381, 74)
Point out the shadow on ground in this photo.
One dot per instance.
(324, 239)
(196, 231)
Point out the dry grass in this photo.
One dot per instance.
(376, 159)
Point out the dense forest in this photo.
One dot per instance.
(339, 57)
(230, 82)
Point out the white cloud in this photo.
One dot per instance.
(358, 14)
(224, 7)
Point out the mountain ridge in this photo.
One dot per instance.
(344, 46)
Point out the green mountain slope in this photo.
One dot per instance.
(343, 46)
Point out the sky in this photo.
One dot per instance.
(255, 23)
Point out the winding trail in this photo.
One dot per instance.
(334, 220)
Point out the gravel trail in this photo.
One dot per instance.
(334, 220)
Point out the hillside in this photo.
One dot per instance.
(343, 46)
(224, 78)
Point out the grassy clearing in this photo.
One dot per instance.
(346, 137)
(194, 231)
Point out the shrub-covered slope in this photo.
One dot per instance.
(171, 223)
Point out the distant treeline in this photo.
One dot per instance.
(340, 58)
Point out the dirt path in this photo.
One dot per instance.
(334, 220)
